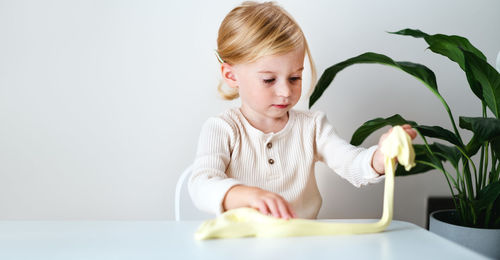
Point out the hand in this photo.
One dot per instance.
(378, 156)
(266, 202)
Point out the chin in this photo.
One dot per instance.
(278, 114)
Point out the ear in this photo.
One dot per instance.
(229, 76)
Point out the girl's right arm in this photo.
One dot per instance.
(209, 183)
(266, 202)
(212, 190)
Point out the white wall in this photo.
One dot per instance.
(101, 102)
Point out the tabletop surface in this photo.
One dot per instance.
(174, 240)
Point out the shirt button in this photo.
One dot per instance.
(271, 161)
(269, 145)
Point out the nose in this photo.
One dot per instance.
(284, 89)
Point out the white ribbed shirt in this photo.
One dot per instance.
(231, 151)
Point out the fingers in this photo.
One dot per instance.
(285, 210)
(411, 132)
(294, 215)
(279, 208)
(408, 129)
(272, 205)
(269, 203)
(262, 207)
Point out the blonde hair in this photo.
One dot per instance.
(253, 30)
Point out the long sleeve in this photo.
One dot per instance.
(209, 183)
(350, 162)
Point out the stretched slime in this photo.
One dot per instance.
(249, 222)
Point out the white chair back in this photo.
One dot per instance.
(184, 207)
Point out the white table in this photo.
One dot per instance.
(174, 240)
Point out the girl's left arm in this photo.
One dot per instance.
(350, 162)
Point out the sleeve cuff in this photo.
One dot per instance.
(208, 194)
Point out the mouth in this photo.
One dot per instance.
(280, 106)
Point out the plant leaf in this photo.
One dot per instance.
(450, 46)
(411, 32)
(418, 168)
(495, 144)
(488, 77)
(484, 129)
(487, 195)
(452, 154)
(419, 71)
(439, 132)
(373, 125)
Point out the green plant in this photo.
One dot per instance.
(475, 188)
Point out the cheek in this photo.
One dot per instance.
(299, 88)
(260, 95)
(254, 90)
(250, 93)
(298, 91)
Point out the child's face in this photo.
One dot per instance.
(272, 85)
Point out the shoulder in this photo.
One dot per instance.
(309, 117)
(315, 123)
(223, 123)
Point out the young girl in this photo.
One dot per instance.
(262, 154)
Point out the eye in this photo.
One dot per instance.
(268, 81)
(294, 79)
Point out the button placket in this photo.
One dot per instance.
(269, 145)
(270, 149)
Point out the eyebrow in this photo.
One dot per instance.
(268, 71)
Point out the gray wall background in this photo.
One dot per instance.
(101, 102)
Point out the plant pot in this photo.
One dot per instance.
(482, 240)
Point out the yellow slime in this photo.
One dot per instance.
(248, 222)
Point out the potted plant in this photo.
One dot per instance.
(474, 186)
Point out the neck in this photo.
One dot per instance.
(265, 124)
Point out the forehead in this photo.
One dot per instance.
(279, 63)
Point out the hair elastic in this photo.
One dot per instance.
(218, 57)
